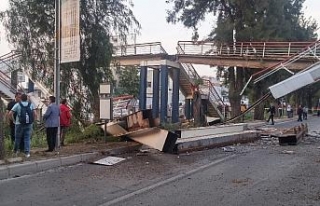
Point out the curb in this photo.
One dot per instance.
(27, 168)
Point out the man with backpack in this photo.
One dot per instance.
(17, 98)
(25, 115)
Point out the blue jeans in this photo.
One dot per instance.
(23, 131)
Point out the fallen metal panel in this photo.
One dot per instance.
(109, 161)
(156, 138)
(311, 75)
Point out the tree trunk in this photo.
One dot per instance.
(198, 110)
(236, 79)
(259, 109)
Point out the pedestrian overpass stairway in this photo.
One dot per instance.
(8, 64)
(7, 91)
(188, 75)
(216, 107)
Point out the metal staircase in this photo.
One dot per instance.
(7, 91)
(216, 106)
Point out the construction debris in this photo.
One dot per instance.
(286, 136)
(109, 161)
(143, 128)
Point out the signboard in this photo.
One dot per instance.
(70, 31)
(106, 109)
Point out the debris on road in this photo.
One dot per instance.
(287, 152)
(285, 136)
(109, 161)
(143, 128)
(229, 149)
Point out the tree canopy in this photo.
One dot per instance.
(30, 28)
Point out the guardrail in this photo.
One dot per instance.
(261, 49)
(139, 49)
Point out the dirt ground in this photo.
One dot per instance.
(73, 149)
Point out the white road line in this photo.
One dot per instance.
(172, 179)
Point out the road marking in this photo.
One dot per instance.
(172, 179)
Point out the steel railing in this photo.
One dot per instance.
(139, 49)
(258, 49)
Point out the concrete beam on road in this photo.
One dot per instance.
(213, 130)
(212, 141)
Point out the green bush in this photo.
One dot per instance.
(92, 131)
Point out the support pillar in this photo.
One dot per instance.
(155, 93)
(191, 111)
(143, 88)
(187, 109)
(30, 86)
(175, 95)
(164, 93)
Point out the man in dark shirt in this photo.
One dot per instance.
(11, 123)
(272, 111)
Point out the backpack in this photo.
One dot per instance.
(25, 116)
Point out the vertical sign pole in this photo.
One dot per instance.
(57, 61)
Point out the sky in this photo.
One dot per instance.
(152, 16)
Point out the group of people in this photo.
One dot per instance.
(302, 113)
(21, 114)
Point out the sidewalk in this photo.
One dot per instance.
(69, 155)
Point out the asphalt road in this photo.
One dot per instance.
(260, 173)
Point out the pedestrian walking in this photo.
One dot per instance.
(65, 120)
(25, 115)
(300, 112)
(289, 111)
(305, 112)
(272, 111)
(51, 118)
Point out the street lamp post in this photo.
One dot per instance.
(57, 60)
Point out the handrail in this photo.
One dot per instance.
(139, 49)
(257, 49)
(309, 49)
(7, 82)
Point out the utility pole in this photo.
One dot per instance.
(57, 60)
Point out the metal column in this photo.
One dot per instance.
(191, 110)
(175, 95)
(143, 88)
(187, 109)
(30, 86)
(155, 96)
(164, 93)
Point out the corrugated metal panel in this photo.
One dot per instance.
(296, 82)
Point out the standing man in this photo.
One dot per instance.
(300, 112)
(272, 111)
(25, 114)
(65, 120)
(51, 118)
(11, 121)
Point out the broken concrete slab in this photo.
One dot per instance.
(213, 141)
(212, 130)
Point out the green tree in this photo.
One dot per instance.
(128, 81)
(30, 27)
(245, 20)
